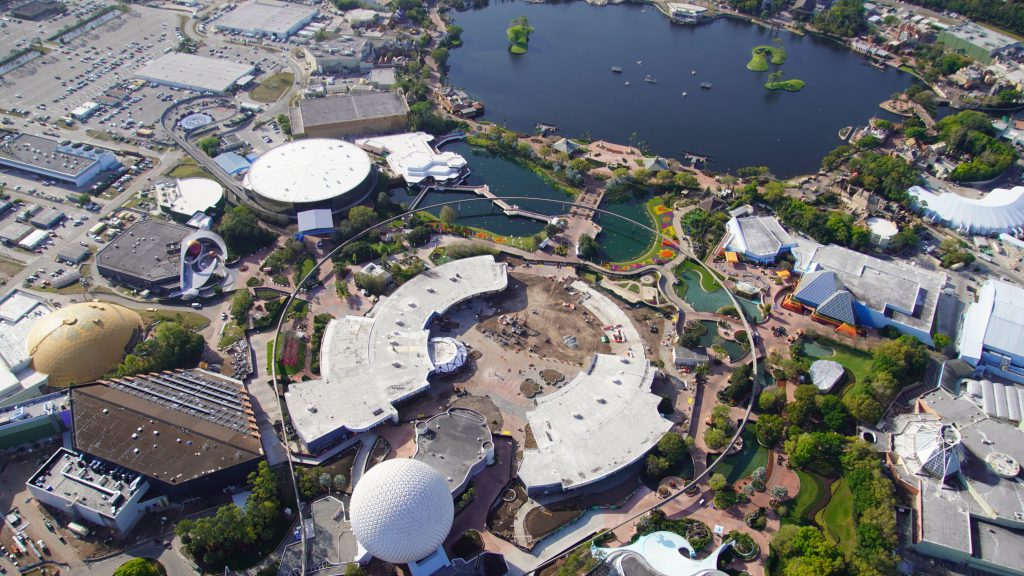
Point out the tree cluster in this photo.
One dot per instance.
(171, 346)
(741, 383)
(969, 136)
(667, 455)
(845, 18)
(704, 229)
(213, 540)
(718, 434)
(1008, 15)
(896, 363)
(240, 229)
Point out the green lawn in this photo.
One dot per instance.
(707, 281)
(857, 362)
(812, 489)
(758, 62)
(189, 320)
(272, 87)
(837, 517)
(188, 168)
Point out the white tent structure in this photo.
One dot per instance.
(1001, 211)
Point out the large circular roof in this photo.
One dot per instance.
(81, 342)
(401, 510)
(309, 170)
(201, 191)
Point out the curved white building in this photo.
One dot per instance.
(367, 364)
(1001, 211)
(401, 511)
(601, 422)
(412, 157)
(309, 174)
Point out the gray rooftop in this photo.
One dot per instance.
(199, 72)
(69, 475)
(453, 443)
(46, 153)
(351, 107)
(981, 36)
(602, 421)
(998, 545)
(909, 293)
(266, 16)
(147, 249)
(825, 374)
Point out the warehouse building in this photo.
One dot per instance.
(338, 116)
(92, 491)
(354, 55)
(73, 163)
(976, 41)
(992, 335)
(33, 420)
(369, 364)
(159, 259)
(19, 311)
(188, 432)
(197, 73)
(38, 10)
(266, 18)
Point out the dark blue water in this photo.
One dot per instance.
(566, 79)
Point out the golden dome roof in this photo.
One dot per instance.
(82, 342)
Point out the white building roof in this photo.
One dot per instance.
(995, 322)
(369, 363)
(309, 170)
(413, 158)
(190, 195)
(881, 227)
(196, 72)
(758, 236)
(34, 239)
(315, 220)
(267, 17)
(401, 510)
(605, 419)
(18, 312)
(1000, 211)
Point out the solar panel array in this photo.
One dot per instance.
(194, 393)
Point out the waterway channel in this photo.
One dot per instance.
(619, 240)
(566, 79)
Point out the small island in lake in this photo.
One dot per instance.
(761, 55)
(519, 35)
(775, 82)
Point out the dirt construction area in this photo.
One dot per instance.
(538, 315)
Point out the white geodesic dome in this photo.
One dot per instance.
(401, 510)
